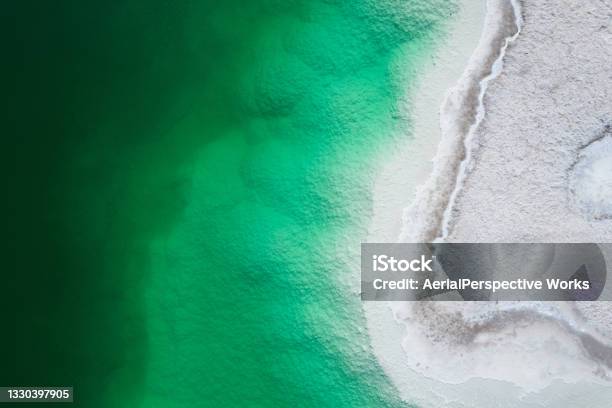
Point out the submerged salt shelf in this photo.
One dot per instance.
(591, 179)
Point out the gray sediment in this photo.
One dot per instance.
(459, 116)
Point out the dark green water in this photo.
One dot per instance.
(192, 183)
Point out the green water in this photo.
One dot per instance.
(192, 185)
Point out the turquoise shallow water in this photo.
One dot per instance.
(204, 173)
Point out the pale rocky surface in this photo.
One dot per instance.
(551, 101)
(553, 97)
